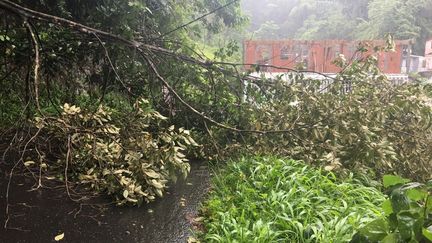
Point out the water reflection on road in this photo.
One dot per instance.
(41, 215)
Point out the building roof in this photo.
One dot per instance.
(325, 41)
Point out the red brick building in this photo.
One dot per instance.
(319, 55)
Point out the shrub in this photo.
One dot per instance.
(408, 211)
(281, 200)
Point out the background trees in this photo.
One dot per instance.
(343, 19)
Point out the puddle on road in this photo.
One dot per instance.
(43, 214)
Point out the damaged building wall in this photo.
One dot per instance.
(319, 55)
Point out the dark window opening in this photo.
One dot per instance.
(405, 50)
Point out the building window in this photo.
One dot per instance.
(405, 50)
(284, 55)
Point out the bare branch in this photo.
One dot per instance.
(36, 62)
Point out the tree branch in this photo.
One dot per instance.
(36, 62)
(144, 50)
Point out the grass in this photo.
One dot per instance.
(281, 200)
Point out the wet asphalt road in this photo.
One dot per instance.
(41, 215)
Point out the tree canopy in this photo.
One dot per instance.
(341, 19)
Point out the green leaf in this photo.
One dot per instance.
(391, 180)
(416, 195)
(410, 223)
(391, 238)
(427, 233)
(4, 38)
(429, 204)
(376, 230)
(387, 207)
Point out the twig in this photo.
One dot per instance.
(212, 139)
(67, 167)
(11, 175)
(112, 67)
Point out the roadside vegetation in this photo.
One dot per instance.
(268, 199)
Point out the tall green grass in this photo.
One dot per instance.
(281, 200)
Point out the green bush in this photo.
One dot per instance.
(281, 200)
(408, 211)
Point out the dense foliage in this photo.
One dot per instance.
(279, 200)
(408, 214)
(358, 121)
